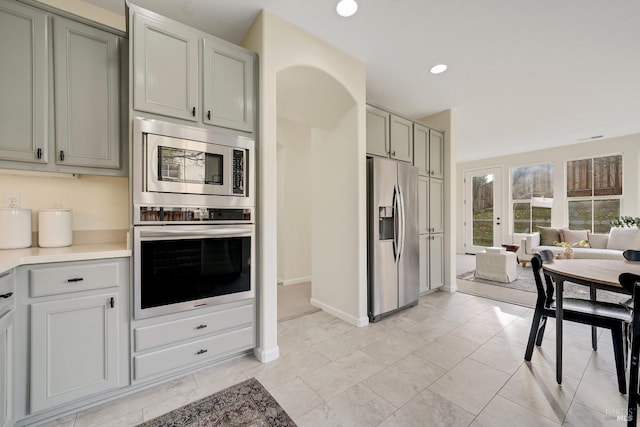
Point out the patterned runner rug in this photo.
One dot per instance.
(244, 404)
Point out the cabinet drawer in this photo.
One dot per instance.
(7, 293)
(198, 351)
(73, 278)
(166, 333)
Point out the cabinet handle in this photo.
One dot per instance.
(75, 279)
(61, 156)
(112, 302)
(203, 351)
(393, 153)
(193, 111)
(208, 114)
(7, 295)
(39, 153)
(201, 326)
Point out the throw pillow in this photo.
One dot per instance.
(573, 236)
(548, 235)
(581, 244)
(624, 238)
(598, 241)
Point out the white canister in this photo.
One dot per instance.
(15, 228)
(54, 228)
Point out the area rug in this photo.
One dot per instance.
(526, 282)
(244, 404)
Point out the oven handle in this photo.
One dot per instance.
(233, 232)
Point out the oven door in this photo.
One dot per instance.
(180, 268)
(176, 165)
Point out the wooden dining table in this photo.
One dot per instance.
(594, 273)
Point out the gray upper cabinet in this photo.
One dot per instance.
(401, 139)
(421, 149)
(86, 79)
(436, 154)
(23, 83)
(165, 67)
(228, 85)
(377, 132)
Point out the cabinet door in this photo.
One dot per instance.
(424, 263)
(421, 149)
(23, 86)
(436, 154)
(6, 325)
(74, 349)
(401, 139)
(436, 261)
(165, 68)
(86, 71)
(423, 205)
(377, 132)
(228, 85)
(436, 206)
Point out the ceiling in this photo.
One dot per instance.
(523, 75)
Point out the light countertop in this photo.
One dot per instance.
(11, 258)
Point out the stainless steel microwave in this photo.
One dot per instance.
(178, 165)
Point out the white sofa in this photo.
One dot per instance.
(530, 244)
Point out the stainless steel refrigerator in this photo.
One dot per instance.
(393, 262)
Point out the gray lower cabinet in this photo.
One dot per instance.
(168, 344)
(87, 119)
(24, 70)
(74, 349)
(72, 324)
(423, 265)
(6, 324)
(165, 67)
(436, 261)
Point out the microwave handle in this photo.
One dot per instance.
(197, 233)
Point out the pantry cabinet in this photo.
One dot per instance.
(87, 100)
(436, 154)
(165, 67)
(24, 70)
(61, 104)
(167, 60)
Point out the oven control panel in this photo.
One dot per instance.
(163, 214)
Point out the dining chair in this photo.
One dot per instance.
(631, 255)
(601, 314)
(631, 283)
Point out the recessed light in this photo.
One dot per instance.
(346, 7)
(437, 69)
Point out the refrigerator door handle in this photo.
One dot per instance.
(402, 223)
(396, 223)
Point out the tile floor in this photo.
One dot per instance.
(293, 301)
(452, 360)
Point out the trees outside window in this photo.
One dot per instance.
(594, 192)
(531, 197)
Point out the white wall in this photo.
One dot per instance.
(628, 146)
(281, 46)
(294, 202)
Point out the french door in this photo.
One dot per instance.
(482, 209)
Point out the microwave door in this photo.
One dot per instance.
(180, 166)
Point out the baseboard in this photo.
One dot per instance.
(355, 321)
(295, 281)
(266, 356)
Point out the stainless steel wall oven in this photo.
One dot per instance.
(193, 218)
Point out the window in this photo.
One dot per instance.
(594, 192)
(531, 197)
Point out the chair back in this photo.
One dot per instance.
(631, 283)
(545, 294)
(631, 255)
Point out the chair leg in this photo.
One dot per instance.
(633, 384)
(533, 333)
(618, 351)
(541, 331)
